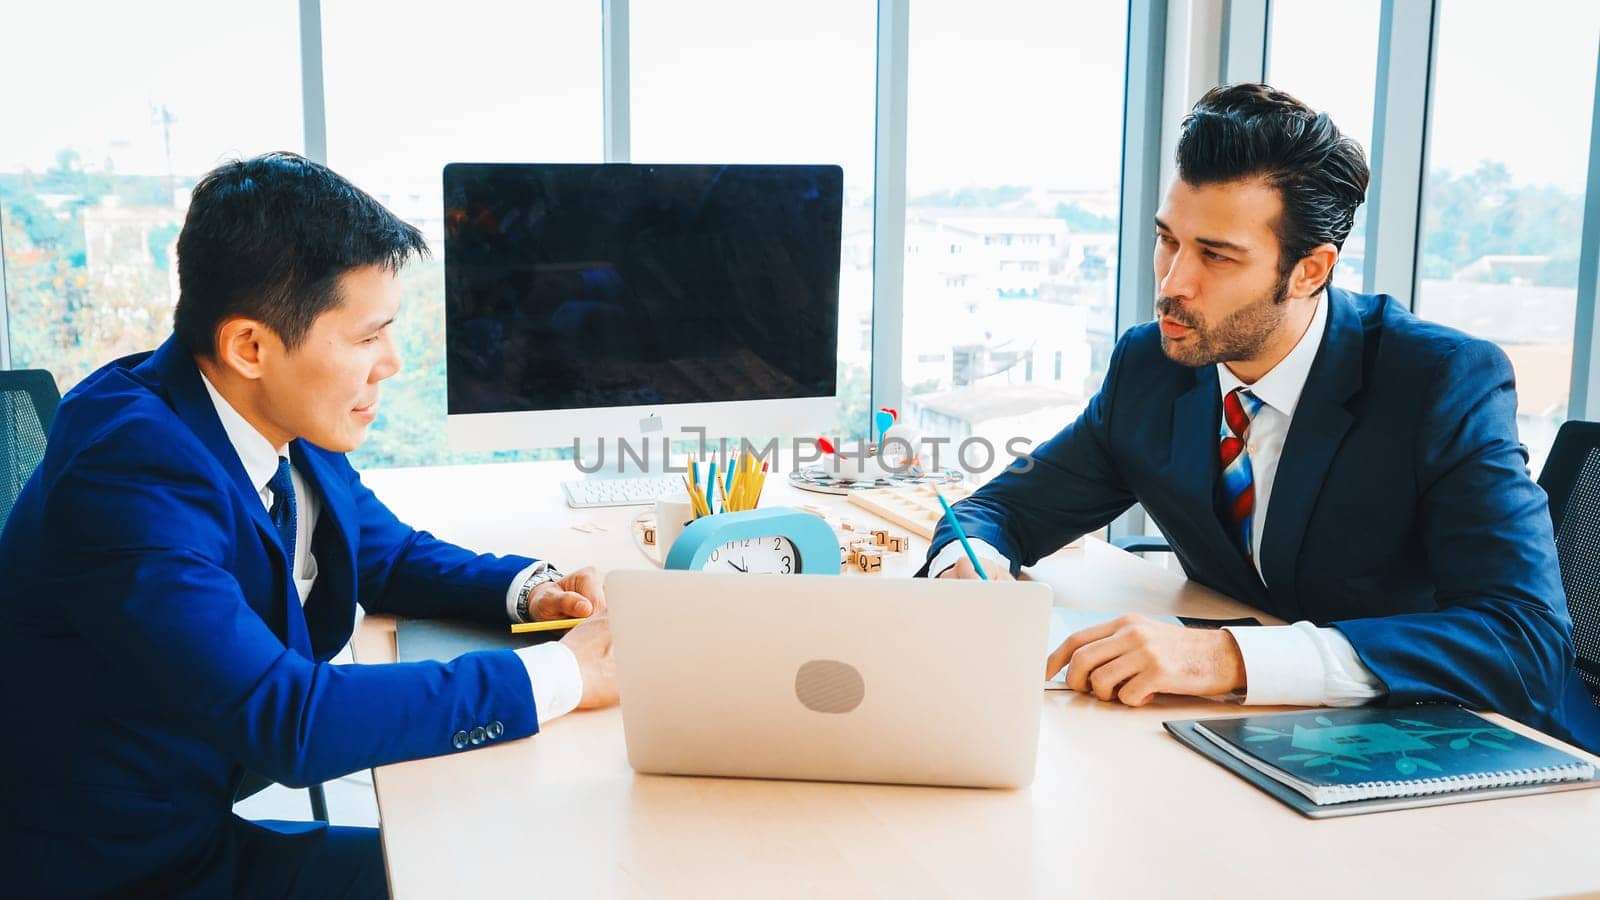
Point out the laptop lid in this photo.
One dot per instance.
(910, 681)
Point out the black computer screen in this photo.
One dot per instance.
(575, 286)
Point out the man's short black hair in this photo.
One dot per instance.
(1244, 131)
(267, 238)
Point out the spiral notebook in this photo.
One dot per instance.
(1359, 760)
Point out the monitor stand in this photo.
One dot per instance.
(639, 455)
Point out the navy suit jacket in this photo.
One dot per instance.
(1401, 514)
(152, 646)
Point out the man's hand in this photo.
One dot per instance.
(575, 596)
(1133, 658)
(590, 643)
(996, 570)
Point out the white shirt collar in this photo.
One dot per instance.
(1281, 387)
(257, 454)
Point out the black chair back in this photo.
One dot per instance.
(28, 399)
(1571, 477)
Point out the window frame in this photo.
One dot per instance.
(1174, 51)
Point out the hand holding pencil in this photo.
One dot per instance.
(969, 566)
(569, 600)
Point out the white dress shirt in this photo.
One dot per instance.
(1298, 664)
(553, 672)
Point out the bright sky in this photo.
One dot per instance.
(1022, 93)
(87, 75)
(1515, 88)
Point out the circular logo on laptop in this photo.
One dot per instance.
(829, 686)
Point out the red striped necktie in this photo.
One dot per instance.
(1239, 407)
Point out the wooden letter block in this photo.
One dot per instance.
(880, 536)
(870, 561)
(650, 536)
(898, 543)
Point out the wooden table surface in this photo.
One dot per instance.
(1118, 806)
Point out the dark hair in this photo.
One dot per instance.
(1244, 131)
(267, 238)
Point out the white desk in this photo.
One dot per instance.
(1118, 807)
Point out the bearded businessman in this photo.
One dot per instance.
(1322, 455)
(188, 557)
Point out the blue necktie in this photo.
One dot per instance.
(283, 511)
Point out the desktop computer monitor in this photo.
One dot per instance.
(605, 300)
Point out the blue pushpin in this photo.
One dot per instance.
(883, 419)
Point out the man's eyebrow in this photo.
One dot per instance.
(376, 325)
(1222, 245)
(1214, 243)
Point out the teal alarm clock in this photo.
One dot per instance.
(773, 541)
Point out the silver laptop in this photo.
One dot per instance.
(849, 678)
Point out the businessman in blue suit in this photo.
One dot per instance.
(187, 559)
(1321, 455)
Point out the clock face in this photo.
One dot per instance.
(771, 555)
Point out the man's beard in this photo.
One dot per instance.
(1242, 335)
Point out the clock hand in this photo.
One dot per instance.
(745, 569)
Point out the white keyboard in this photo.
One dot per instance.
(642, 491)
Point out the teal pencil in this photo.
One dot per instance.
(694, 481)
(711, 487)
(961, 534)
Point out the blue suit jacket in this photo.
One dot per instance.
(1401, 513)
(152, 647)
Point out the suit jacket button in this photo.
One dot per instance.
(495, 729)
(459, 741)
(477, 736)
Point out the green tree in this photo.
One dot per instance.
(1080, 219)
(974, 196)
(1482, 213)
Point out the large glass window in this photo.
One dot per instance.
(413, 85)
(1301, 38)
(112, 115)
(728, 81)
(1503, 202)
(1014, 146)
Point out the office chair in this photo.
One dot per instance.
(1142, 543)
(254, 784)
(28, 399)
(1571, 478)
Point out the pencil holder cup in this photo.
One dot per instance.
(673, 514)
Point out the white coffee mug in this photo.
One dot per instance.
(673, 514)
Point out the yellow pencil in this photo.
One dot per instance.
(750, 478)
(755, 491)
(697, 497)
(694, 496)
(550, 625)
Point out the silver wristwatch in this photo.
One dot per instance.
(542, 573)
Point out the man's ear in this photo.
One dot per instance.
(1312, 270)
(240, 346)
